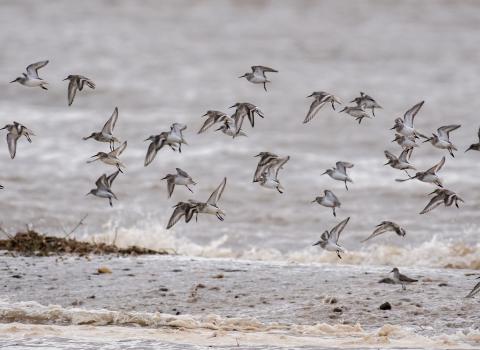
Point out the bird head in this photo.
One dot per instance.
(394, 270)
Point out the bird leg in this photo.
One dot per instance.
(189, 188)
(334, 214)
(346, 185)
(265, 86)
(338, 254)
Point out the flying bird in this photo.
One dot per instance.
(213, 118)
(386, 226)
(104, 187)
(444, 196)
(329, 239)
(328, 200)
(76, 83)
(245, 109)
(257, 76)
(181, 178)
(406, 142)
(111, 158)
(442, 140)
(321, 98)
(15, 131)
(401, 162)
(475, 146)
(340, 172)
(269, 176)
(106, 134)
(357, 112)
(173, 138)
(366, 102)
(405, 126)
(429, 176)
(31, 78)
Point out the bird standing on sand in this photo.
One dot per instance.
(329, 239)
(181, 178)
(104, 187)
(106, 135)
(429, 176)
(444, 196)
(257, 76)
(340, 172)
(357, 112)
(328, 200)
(76, 83)
(401, 279)
(442, 140)
(111, 158)
(15, 131)
(386, 226)
(475, 146)
(192, 207)
(321, 98)
(366, 102)
(31, 78)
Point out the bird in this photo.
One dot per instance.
(181, 178)
(400, 278)
(15, 131)
(106, 135)
(474, 291)
(257, 76)
(1, 187)
(31, 78)
(339, 172)
(401, 162)
(386, 226)
(328, 200)
(266, 158)
(111, 158)
(329, 239)
(475, 146)
(321, 98)
(173, 138)
(104, 187)
(367, 102)
(228, 128)
(405, 126)
(429, 176)
(406, 142)
(192, 207)
(76, 82)
(357, 112)
(213, 118)
(269, 177)
(245, 109)
(442, 140)
(444, 196)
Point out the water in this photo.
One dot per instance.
(165, 62)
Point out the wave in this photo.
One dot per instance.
(75, 323)
(433, 253)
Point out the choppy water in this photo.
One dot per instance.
(165, 62)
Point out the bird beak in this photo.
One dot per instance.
(88, 193)
(342, 110)
(427, 140)
(393, 127)
(316, 243)
(220, 128)
(310, 95)
(391, 271)
(231, 106)
(65, 79)
(146, 140)
(387, 163)
(324, 173)
(243, 76)
(13, 81)
(314, 201)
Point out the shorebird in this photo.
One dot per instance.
(213, 118)
(357, 112)
(401, 162)
(172, 138)
(228, 128)
(76, 83)
(367, 102)
(31, 79)
(406, 142)
(340, 172)
(442, 140)
(444, 196)
(405, 126)
(106, 135)
(329, 239)
(266, 159)
(386, 226)
(15, 131)
(321, 98)
(328, 200)
(257, 76)
(401, 279)
(175, 136)
(104, 187)
(111, 158)
(475, 290)
(181, 178)
(269, 177)
(188, 209)
(429, 175)
(245, 109)
(475, 146)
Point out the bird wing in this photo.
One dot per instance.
(180, 211)
(262, 69)
(32, 69)
(84, 80)
(316, 105)
(478, 134)
(330, 195)
(382, 228)
(72, 90)
(215, 196)
(437, 166)
(406, 153)
(12, 144)
(239, 116)
(433, 203)
(263, 164)
(474, 291)
(279, 164)
(170, 187)
(342, 166)
(390, 156)
(153, 148)
(409, 115)
(182, 173)
(119, 150)
(102, 182)
(444, 131)
(111, 178)
(110, 124)
(212, 119)
(337, 230)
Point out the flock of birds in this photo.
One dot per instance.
(269, 164)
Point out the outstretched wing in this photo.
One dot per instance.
(32, 69)
(474, 291)
(102, 182)
(434, 202)
(279, 164)
(444, 131)
(170, 187)
(111, 178)
(110, 124)
(409, 115)
(261, 69)
(316, 105)
(337, 230)
(182, 173)
(342, 166)
(12, 144)
(119, 150)
(153, 148)
(215, 196)
(331, 196)
(84, 80)
(72, 90)
(406, 153)
(390, 156)
(179, 212)
(437, 166)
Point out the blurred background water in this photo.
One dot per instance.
(170, 61)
